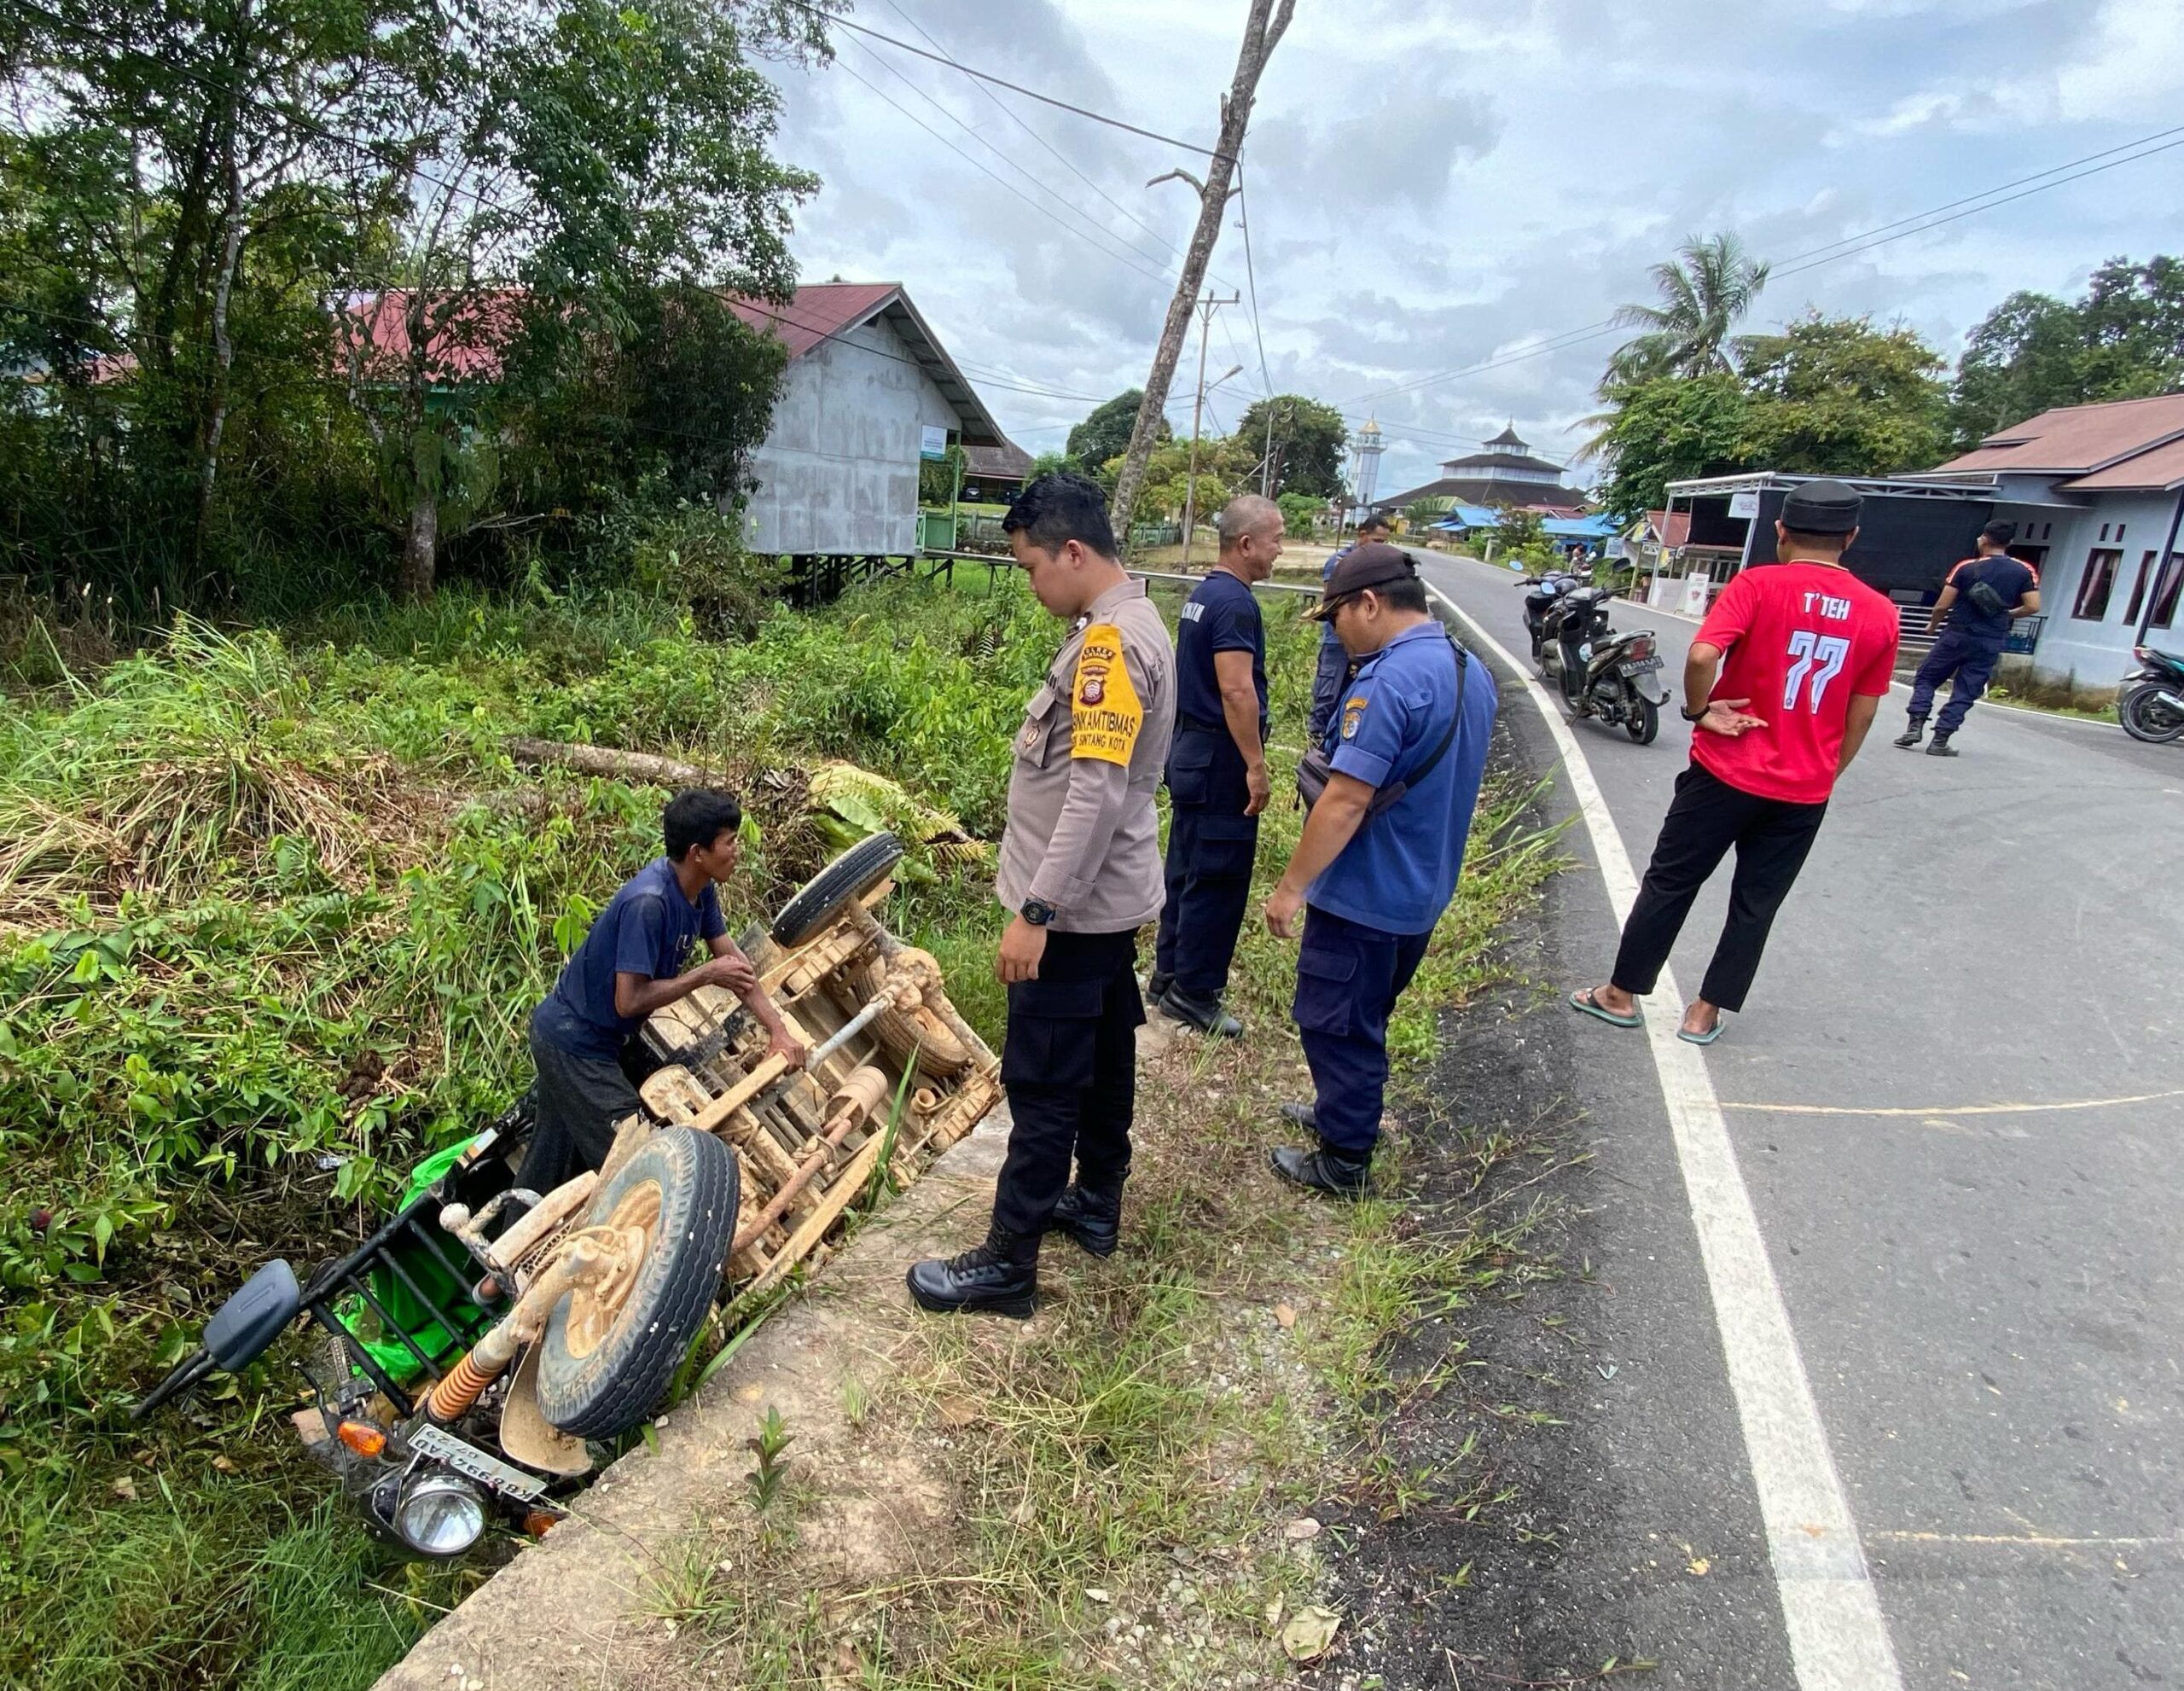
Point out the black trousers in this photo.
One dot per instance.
(1707, 817)
(1209, 869)
(581, 1102)
(1970, 661)
(1069, 1065)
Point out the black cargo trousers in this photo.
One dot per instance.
(1069, 1065)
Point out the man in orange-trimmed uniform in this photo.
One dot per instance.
(1080, 871)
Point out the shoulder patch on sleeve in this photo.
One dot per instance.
(1353, 712)
(1105, 713)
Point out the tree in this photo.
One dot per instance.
(1670, 429)
(2033, 352)
(1308, 441)
(1104, 434)
(555, 166)
(1263, 28)
(1168, 479)
(1703, 292)
(1048, 463)
(1835, 396)
(1300, 513)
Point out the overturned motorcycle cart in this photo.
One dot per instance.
(482, 1338)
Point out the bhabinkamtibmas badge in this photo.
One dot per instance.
(1104, 714)
(1353, 712)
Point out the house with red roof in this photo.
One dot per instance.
(869, 389)
(2102, 489)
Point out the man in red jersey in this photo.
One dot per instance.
(1805, 652)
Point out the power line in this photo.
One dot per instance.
(1798, 257)
(959, 123)
(1864, 242)
(1985, 205)
(1010, 113)
(1002, 82)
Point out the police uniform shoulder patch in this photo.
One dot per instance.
(1104, 714)
(1353, 712)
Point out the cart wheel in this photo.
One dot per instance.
(851, 875)
(611, 1349)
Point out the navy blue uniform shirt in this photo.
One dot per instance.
(1399, 869)
(1328, 639)
(2010, 578)
(1221, 615)
(648, 928)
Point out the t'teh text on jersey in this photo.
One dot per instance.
(1801, 640)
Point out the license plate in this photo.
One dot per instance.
(473, 1463)
(1641, 666)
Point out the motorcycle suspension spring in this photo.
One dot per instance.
(458, 1390)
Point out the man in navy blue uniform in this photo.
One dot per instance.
(1217, 781)
(1334, 662)
(1381, 848)
(630, 964)
(1982, 598)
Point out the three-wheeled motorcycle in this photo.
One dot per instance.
(479, 1346)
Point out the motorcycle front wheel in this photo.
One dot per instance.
(2146, 718)
(1644, 722)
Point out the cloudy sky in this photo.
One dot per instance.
(1433, 186)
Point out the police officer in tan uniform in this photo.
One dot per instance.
(1080, 868)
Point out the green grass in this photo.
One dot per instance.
(273, 907)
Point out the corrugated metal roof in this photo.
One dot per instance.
(2080, 438)
(824, 311)
(2161, 468)
(1005, 462)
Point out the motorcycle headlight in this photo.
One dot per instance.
(440, 1515)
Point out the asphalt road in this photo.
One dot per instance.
(1956, 1099)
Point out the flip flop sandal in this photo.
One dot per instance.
(1706, 1038)
(1584, 1004)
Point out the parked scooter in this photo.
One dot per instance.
(1545, 588)
(1602, 673)
(2150, 704)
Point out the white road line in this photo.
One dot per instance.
(1838, 1640)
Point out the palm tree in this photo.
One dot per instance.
(1703, 290)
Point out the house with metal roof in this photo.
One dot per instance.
(2103, 491)
(2096, 493)
(1506, 474)
(869, 391)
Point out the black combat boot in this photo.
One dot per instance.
(1094, 1219)
(1001, 1276)
(1941, 748)
(1205, 1015)
(1156, 987)
(1913, 732)
(1306, 1116)
(1339, 1173)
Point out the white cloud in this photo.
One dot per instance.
(1432, 188)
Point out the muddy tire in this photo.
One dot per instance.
(683, 1186)
(851, 875)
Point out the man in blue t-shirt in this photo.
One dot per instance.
(1381, 849)
(1334, 662)
(1217, 782)
(1982, 598)
(630, 964)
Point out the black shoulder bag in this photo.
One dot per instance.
(1318, 763)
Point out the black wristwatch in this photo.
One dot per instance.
(1694, 716)
(1038, 912)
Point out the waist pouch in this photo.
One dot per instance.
(1316, 765)
(1981, 595)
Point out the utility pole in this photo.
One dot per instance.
(1266, 464)
(1262, 31)
(1207, 307)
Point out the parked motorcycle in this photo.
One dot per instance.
(2150, 704)
(1545, 588)
(1602, 673)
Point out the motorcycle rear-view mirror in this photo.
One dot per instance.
(239, 1334)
